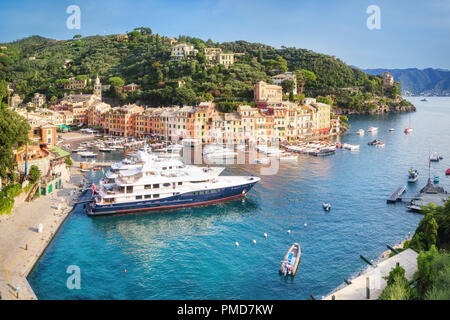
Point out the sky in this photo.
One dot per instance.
(412, 34)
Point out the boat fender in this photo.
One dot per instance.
(237, 244)
(305, 224)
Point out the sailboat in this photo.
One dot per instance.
(409, 129)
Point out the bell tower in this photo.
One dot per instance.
(98, 88)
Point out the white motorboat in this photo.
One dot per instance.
(87, 154)
(360, 132)
(372, 129)
(351, 147)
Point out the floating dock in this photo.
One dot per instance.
(396, 196)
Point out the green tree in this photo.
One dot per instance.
(424, 274)
(4, 93)
(13, 134)
(303, 77)
(116, 81)
(426, 234)
(34, 174)
(288, 86)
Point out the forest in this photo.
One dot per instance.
(37, 64)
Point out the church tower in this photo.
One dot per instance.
(98, 88)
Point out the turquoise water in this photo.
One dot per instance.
(191, 253)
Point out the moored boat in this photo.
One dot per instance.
(372, 129)
(326, 206)
(413, 175)
(289, 265)
(447, 172)
(151, 184)
(436, 179)
(360, 132)
(435, 157)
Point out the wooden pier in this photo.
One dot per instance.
(396, 196)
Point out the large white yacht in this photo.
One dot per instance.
(148, 183)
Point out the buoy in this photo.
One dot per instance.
(237, 244)
(254, 241)
(305, 224)
(289, 231)
(265, 235)
(125, 270)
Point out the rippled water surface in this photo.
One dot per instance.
(191, 253)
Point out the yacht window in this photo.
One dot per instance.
(148, 196)
(180, 183)
(164, 168)
(175, 193)
(155, 196)
(138, 197)
(155, 186)
(148, 186)
(166, 185)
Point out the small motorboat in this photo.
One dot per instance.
(326, 206)
(360, 132)
(435, 157)
(291, 261)
(377, 143)
(105, 149)
(408, 130)
(84, 170)
(372, 129)
(97, 169)
(87, 154)
(413, 175)
(447, 172)
(436, 179)
(391, 129)
(351, 147)
(424, 100)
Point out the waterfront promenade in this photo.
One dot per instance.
(22, 244)
(407, 259)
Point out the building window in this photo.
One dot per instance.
(155, 186)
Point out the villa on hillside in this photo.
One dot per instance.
(182, 51)
(280, 78)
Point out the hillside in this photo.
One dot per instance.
(416, 82)
(37, 64)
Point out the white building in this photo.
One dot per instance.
(183, 50)
(280, 78)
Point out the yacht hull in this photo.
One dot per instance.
(178, 201)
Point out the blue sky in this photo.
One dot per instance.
(413, 33)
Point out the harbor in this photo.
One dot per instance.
(281, 209)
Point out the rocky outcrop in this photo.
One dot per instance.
(396, 106)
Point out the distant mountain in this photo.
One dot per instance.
(416, 82)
